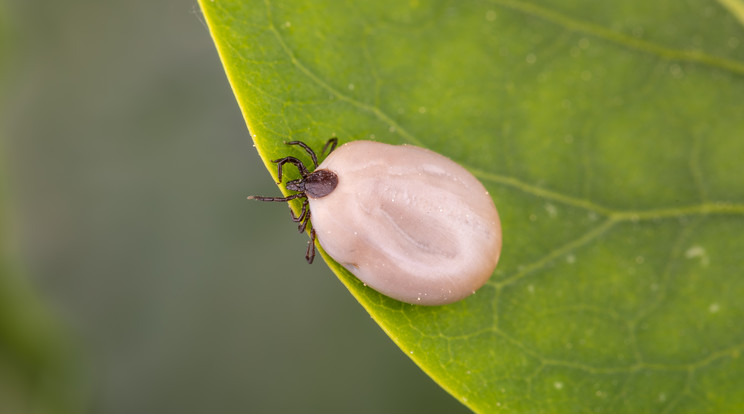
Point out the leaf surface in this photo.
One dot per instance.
(611, 136)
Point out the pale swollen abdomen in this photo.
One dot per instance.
(410, 223)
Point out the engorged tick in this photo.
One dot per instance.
(408, 222)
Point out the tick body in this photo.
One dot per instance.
(408, 222)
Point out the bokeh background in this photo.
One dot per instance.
(125, 164)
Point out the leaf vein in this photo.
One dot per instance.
(630, 42)
(705, 208)
(335, 92)
(554, 254)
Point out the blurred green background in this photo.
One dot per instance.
(127, 164)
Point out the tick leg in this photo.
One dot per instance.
(332, 142)
(292, 160)
(304, 223)
(303, 212)
(307, 149)
(310, 254)
(287, 198)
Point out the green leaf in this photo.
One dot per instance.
(611, 136)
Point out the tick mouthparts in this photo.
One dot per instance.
(294, 185)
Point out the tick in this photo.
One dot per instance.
(408, 222)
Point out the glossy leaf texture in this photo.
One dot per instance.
(611, 136)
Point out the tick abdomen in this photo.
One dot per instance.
(410, 223)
